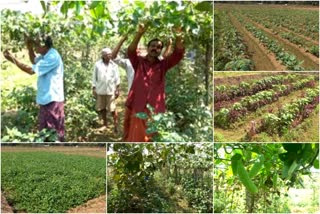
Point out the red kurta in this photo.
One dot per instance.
(147, 88)
(149, 81)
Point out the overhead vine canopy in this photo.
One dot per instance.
(80, 29)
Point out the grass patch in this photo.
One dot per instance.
(12, 76)
(218, 137)
(46, 182)
(265, 137)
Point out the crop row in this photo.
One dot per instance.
(301, 22)
(286, 58)
(225, 93)
(290, 114)
(225, 117)
(309, 82)
(309, 47)
(230, 51)
(293, 38)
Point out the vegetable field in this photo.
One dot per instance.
(266, 107)
(80, 29)
(266, 178)
(159, 178)
(52, 179)
(264, 37)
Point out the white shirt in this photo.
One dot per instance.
(105, 77)
(126, 65)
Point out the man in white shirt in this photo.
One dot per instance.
(105, 86)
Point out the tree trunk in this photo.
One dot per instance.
(249, 201)
(175, 174)
(208, 61)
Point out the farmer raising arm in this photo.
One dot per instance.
(125, 63)
(148, 84)
(50, 93)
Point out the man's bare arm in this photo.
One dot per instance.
(19, 64)
(168, 49)
(134, 44)
(31, 53)
(115, 51)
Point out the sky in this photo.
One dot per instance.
(33, 6)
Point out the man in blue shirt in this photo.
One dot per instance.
(50, 93)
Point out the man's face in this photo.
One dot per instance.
(106, 57)
(38, 48)
(155, 48)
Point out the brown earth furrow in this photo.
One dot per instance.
(309, 60)
(301, 36)
(226, 104)
(264, 60)
(5, 207)
(235, 80)
(97, 205)
(69, 150)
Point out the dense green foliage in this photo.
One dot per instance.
(257, 177)
(50, 182)
(152, 177)
(230, 50)
(79, 32)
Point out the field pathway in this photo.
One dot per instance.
(108, 135)
(5, 207)
(263, 60)
(96, 205)
(69, 150)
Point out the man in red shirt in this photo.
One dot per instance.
(148, 84)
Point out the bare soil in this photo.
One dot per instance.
(70, 150)
(97, 205)
(5, 207)
(263, 60)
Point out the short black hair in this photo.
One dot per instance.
(155, 40)
(47, 40)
